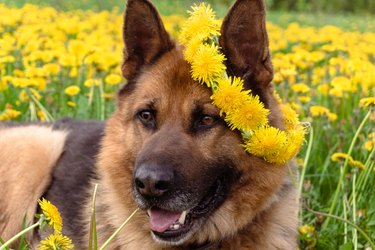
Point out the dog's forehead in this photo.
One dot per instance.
(170, 78)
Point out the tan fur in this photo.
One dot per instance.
(27, 157)
(274, 228)
(252, 215)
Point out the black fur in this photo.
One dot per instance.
(76, 167)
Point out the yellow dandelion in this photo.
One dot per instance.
(367, 102)
(47, 56)
(73, 72)
(91, 82)
(56, 242)
(341, 156)
(7, 79)
(207, 64)
(290, 116)
(318, 110)
(248, 116)
(293, 145)
(3, 85)
(191, 49)
(357, 164)
(369, 145)
(113, 79)
(201, 24)
(202, 9)
(72, 90)
(52, 68)
(277, 79)
(323, 89)
(306, 229)
(9, 114)
(67, 60)
(343, 83)
(331, 116)
(300, 88)
(52, 215)
(229, 94)
(267, 142)
(351, 161)
(337, 92)
(305, 99)
(72, 104)
(76, 47)
(17, 73)
(42, 116)
(23, 96)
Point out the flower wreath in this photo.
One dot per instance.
(243, 111)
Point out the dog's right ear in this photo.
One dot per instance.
(244, 41)
(145, 37)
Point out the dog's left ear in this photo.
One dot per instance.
(244, 41)
(144, 35)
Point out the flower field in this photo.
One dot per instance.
(55, 64)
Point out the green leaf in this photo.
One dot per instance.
(347, 246)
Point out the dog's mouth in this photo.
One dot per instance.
(174, 227)
(169, 226)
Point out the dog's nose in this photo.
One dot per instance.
(153, 180)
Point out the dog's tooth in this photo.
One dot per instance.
(174, 226)
(149, 212)
(182, 218)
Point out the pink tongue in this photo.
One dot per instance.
(161, 220)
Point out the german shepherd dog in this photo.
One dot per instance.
(165, 150)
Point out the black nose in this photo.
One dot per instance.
(153, 179)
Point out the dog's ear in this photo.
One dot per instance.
(244, 41)
(144, 35)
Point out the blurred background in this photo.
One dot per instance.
(348, 14)
(334, 6)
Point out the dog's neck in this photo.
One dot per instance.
(209, 245)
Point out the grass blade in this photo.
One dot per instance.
(118, 230)
(345, 169)
(93, 240)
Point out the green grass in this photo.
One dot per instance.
(364, 22)
(167, 7)
(172, 7)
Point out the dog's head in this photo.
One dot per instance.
(168, 146)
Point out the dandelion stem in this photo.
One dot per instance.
(303, 172)
(345, 169)
(32, 109)
(102, 102)
(118, 230)
(307, 156)
(355, 238)
(15, 237)
(49, 117)
(93, 234)
(345, 212)
(369, 165)
(372, 244)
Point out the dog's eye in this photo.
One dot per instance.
(147, 117)
(207, 121)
